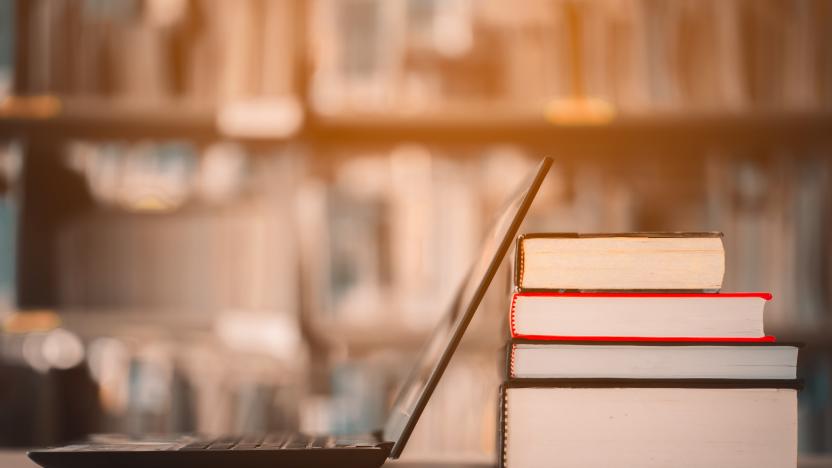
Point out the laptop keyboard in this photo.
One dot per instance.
(274, 441)
(278, 441)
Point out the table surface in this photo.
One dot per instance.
(18, 459)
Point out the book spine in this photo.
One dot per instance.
(512, 313)
(502, 426)
(518, 263)
(510, 353)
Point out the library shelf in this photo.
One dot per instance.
(101, 119)
(671, 129)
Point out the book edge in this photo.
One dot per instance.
(643, 339)
(518, 262)
(525, 341)
(794, 384)
(523, 290)
(638, 293)
(650, 234)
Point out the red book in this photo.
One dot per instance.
(706, 317)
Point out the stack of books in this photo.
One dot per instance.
(624, 353)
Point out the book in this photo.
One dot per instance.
(638, 316)
(649, 423)
(681, 261)
(534, 359)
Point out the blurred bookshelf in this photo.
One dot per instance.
(98, 119)
(102, 120)
(622, 133)
(303, 183)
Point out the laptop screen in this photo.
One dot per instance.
(417, 388)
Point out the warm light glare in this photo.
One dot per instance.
(258, 332)
(579, 111)
(62, 349)
(31, 321)
(37, 107)
(261, 118)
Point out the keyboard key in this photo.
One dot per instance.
(222, 445)
(197, 445)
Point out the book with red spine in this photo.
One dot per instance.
(639, 316)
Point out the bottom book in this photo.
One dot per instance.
(648, 423)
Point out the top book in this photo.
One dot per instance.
(638, 261)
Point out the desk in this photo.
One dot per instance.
(17, 459)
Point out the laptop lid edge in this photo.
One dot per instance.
(462, 323)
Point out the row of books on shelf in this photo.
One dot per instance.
(207, 51)
(67, 385)
(10, 167)
(771, 208)
(171, 226)
(361, 224)
(6, 46)
(632, 56)
(606, 371)
(145, 377)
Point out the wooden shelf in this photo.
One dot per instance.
(116, 120)
(111, 120)
(673, 131)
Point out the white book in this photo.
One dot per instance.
(639, 316)
(644, 427)
(651, 360)
(624, 261)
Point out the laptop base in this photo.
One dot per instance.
(272, 451)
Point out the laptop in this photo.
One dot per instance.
(293, 450)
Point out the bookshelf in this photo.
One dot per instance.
(626, 132)
(98, 119)
(101, 120)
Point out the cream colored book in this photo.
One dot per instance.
(649, 424)
(660, 261)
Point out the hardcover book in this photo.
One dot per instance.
(531, 359)
(649, 423)
(660, 261)
(638, 316)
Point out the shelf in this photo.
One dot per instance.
(99, 119)
(671, 130)
(112, 120)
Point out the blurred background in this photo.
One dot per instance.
(244, 216)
